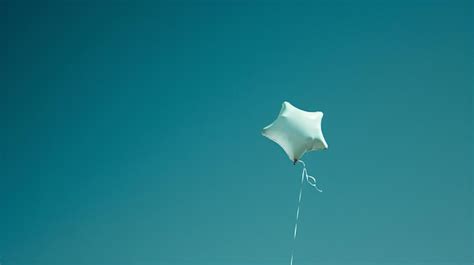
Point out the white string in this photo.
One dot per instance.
(309, 177)
(304, 175)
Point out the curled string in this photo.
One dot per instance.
(312, 181)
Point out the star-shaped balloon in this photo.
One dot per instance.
(296, 131)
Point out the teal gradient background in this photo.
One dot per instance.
(131, 132)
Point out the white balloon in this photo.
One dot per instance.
(296, 131)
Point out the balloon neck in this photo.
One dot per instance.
(294, 161)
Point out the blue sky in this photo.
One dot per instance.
(131, 132)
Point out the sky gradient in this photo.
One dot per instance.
(131, 133)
